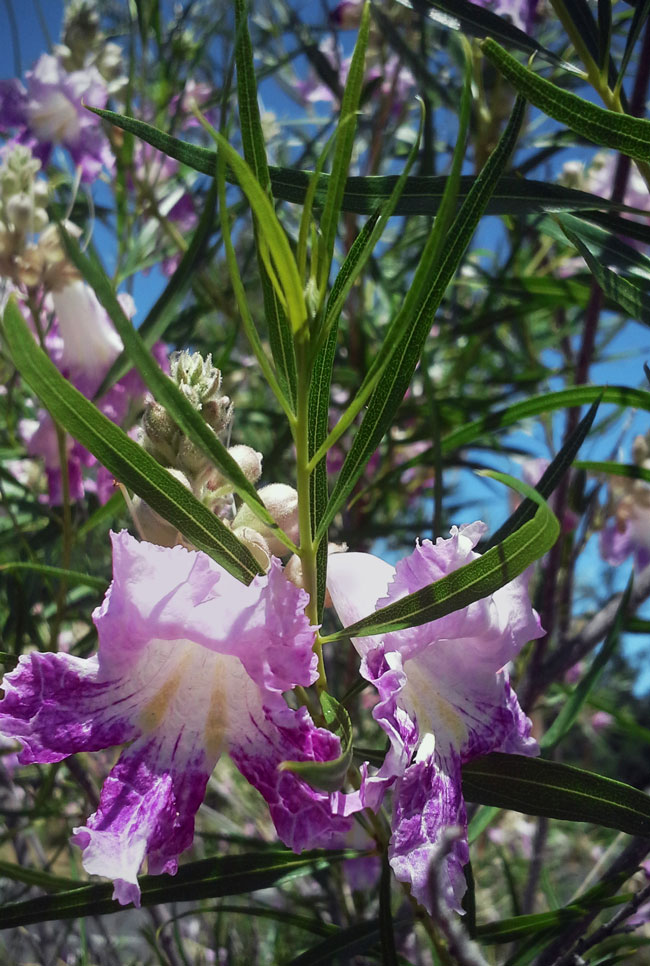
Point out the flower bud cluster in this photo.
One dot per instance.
(629, 499)
(200, 382)
(85, 45)
(25, 260)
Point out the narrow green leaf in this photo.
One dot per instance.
(534, 406)
(604, 33)
(574, 703)
(35, 877)
(629, 470)
(517, 927)
(548, 402)
(164, 308)
(601, 240)
(482, 819)
(71, 577)
(207, 879)
(280, 338)
(632, 296)
(343, 146)
(538, 787)
(629, 135)
(328, 775)
(551, 476)
(476, 21)
(469, 583)
(422, 195)
(166, 393)
(346, 944)
(121, 455)
(321, 378)
(641, 12)
(399, 365)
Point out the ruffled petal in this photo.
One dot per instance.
(177, 594)
(303, 816)
(499, 624)
(56, 705)
(147, 808)
(428, 801)
(470, 712)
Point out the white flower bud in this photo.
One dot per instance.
(249, 460)
(293, 570)
(256, 544)
(20, 211)
(282, 503)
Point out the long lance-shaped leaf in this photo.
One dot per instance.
(35, 877)
(422, 194)
(629, 470)
(71, 577)
(551, 476)
(280, 338)
(343, 947)
(535, 406)
(517, 927)
(538, 787)
(162, 311)
(630, 295)
(321, 378)
(221, 876)
(343, 145)
(572, 706)
(120, 455)
(477, 21)
(165, 391)
(419, 290)
(474, 581)
(629, 135)
(396, 376)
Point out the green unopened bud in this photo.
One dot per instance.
(161, 433)
(191, 459)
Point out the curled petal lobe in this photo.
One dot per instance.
(428, 801)
(356, 581)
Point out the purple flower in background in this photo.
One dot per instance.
(191, 663)
(83, 343)
(522, 13)
(444, 694)
(47, 111)
(628, 531)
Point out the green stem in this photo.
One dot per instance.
(303, 476)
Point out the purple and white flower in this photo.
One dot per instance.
(445, 697)
(191, 663)
(627, 531)
(83, 343)
(47, 111)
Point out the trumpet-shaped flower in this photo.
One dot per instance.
(191, 663)
(444, 696)
(50, 110)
